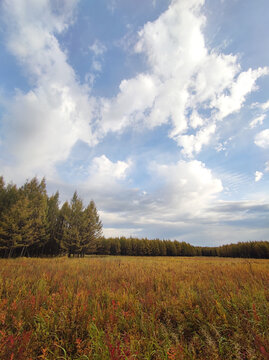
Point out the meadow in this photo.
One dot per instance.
(134, 308)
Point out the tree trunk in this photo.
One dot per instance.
(22, 251)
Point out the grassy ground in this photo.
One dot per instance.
(134, 308)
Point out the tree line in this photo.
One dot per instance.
(145, 247)
(34, 224)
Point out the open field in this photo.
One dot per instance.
(134, 308)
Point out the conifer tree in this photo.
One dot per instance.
(36, 194)
(52, 247)
(92, 230)
(72, 225)
(16, 228)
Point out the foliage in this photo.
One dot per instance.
(33, 224)
(134, 308)
(156, 247)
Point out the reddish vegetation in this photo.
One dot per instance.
(134, 308)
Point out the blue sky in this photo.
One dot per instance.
(157, 110)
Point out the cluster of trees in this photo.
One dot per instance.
(33, 223)
(145, 247)
(251, 249)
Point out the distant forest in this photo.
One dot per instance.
(34, 224)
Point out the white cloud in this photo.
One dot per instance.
(96, 66)
(118, 232)
(196, 120)
(193, 143)
(42, 125)
(187, 187)
(244, 84)
(103, 170)
(98, 48)
(184, 205)
(263, 106)
(262, 139)
(181, 190)
(257, 121)
(258, 176)
(266, 166)
(184, 78)
(129, 106)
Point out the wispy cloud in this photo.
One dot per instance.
(257, 121)
(258, 175)
(262, 139)
(98, 49)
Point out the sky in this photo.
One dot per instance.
(155, 109)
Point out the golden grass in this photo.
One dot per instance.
(134, 308)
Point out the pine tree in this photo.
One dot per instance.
(16, 228)
(52, 247)
(73, 221)
(8, 196)
(36, 193)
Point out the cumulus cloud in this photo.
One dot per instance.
(262, 139)
(193, 143)
(258, 176)
(244, 84)
(187, 186)
(42, 125)
(184, 79)
(179, 192)
(183, 203)
(129, 105)
(183, 189)
(103, 170)
(176, 192)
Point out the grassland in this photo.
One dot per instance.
(134, 308)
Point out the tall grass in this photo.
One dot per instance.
(134, 308)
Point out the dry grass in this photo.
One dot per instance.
(134, 308)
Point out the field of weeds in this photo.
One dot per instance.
(134, 308)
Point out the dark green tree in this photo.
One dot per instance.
(16, 229)
(91, 230)
(35, 192)
(52, 247)
(72, 225)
